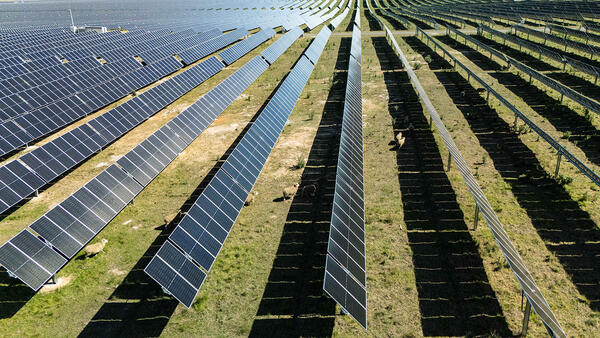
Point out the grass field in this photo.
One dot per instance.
(428, 272)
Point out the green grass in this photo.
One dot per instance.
(229, 300)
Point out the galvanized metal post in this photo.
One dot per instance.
(558, 158)
(476, 216)
(515, 123)
(527, 313)
(449, 161)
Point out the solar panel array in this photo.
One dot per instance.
(582, 167)
(56, 157)
(522, 274)
(593, 50)
(200, 235)
(345, 269)
(559, 87)
(576, 64)
(70, 225)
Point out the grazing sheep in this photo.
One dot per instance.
(250, 198)
(463, 93)
(310, 190)
(401, 142)
(289, 192)
(399, 138)
(94, 249)
(169, 218)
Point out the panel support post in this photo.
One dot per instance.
(515, 123)
(558, 158)
(53, 279)
(476, 216)
(526, 314)
(449, 161)
(430, 121)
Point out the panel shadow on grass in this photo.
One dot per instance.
(293, 303)
(567, 230)
(14, 294)
(577, 128)
(455, 295)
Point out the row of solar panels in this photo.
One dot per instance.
(32, 72)
(574, 32)
(559, 148)
(517, 13)
(451, 18)
(345, 277)
(19, 102)
(40, 122)
(23, 86)
(81, 50)
(65, 152)
(88, 44)
(575, 64)
(115, 15)
(551, 83)
(530, 289)
(466, 14)
(181, 264)
(48, 162)
(66, 228)
(568, 10)
(593, 50)
(28, 127)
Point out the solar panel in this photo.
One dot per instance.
(316, 48)
(345, 270)
(345, 290)
(76, 220)
(176, 273)
(196, 53)
(16, 183)
(274, 51)
(28, 258)
(233, 53)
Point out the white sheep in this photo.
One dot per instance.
(400, 142)
(94, 249)
(289, 192)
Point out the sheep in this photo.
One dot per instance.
(401, 142)
(250, 198)
(310, 190)
(289, 192)
(94, 249)
(463, 93)
(399, 139)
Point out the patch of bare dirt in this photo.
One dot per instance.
(60, 283)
